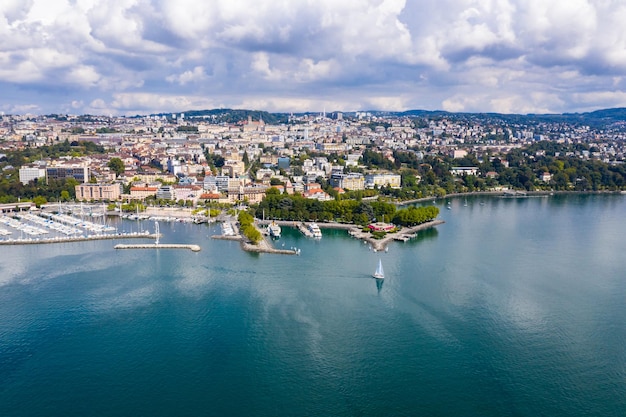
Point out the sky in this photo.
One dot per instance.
(129, 57)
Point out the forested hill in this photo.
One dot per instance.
(233, 115)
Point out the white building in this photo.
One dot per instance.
(28, 174)
(383, 180)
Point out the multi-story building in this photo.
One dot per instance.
(28, 174)
(80, 174)
(252, 195)
(219, 182)
(98, 192)
(351, 181)
(233, 168)
(383, 180)
(143, 192)
(166, 192)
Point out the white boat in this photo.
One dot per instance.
(315, 229)
(274, 230)
(379, 274)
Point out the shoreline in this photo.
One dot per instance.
(501, 193)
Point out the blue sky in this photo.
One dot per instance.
(126, 57)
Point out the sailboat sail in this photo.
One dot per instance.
(379, 271)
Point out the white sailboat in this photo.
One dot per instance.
(380, 273)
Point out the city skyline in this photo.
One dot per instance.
(146, 56)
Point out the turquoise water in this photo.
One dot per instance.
(513, 307)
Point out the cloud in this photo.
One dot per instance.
(197, 74)
(454, 54)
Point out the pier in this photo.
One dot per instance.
(403, 235)
(194, 248)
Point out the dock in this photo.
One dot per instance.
(194, 248)
(304, 230)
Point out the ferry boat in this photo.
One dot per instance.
(274, 230)
(315, 230)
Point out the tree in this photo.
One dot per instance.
(116, 166)
(39, 201)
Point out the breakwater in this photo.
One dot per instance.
(194, 248)
(262, 247)
(39, 241)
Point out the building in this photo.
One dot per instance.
(461, 171)
(233, 168)
(383, 180)
(546, 177)
(142, 192)
(28, 174)
(187, 192)
(98, 192)
(352, 181)
(166, 192)
(252, 195)
(219, 182)
(80, 174)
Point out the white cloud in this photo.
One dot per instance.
(197, 74)
(459, 54)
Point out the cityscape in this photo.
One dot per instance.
(312, 208)
(192, 160)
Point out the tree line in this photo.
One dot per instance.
(295, 207)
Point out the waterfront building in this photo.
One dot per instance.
(252, 194)
(142, 192)
(166, 192)
(187, 192)
(383, 180)
(351, 181)
(98, 192)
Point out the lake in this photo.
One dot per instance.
(513, 307)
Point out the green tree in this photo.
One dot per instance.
(116, 166)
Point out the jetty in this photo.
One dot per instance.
(263, 246)
(194, 248)
(403, 235)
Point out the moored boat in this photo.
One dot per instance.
(274, 230)
(315, 230)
